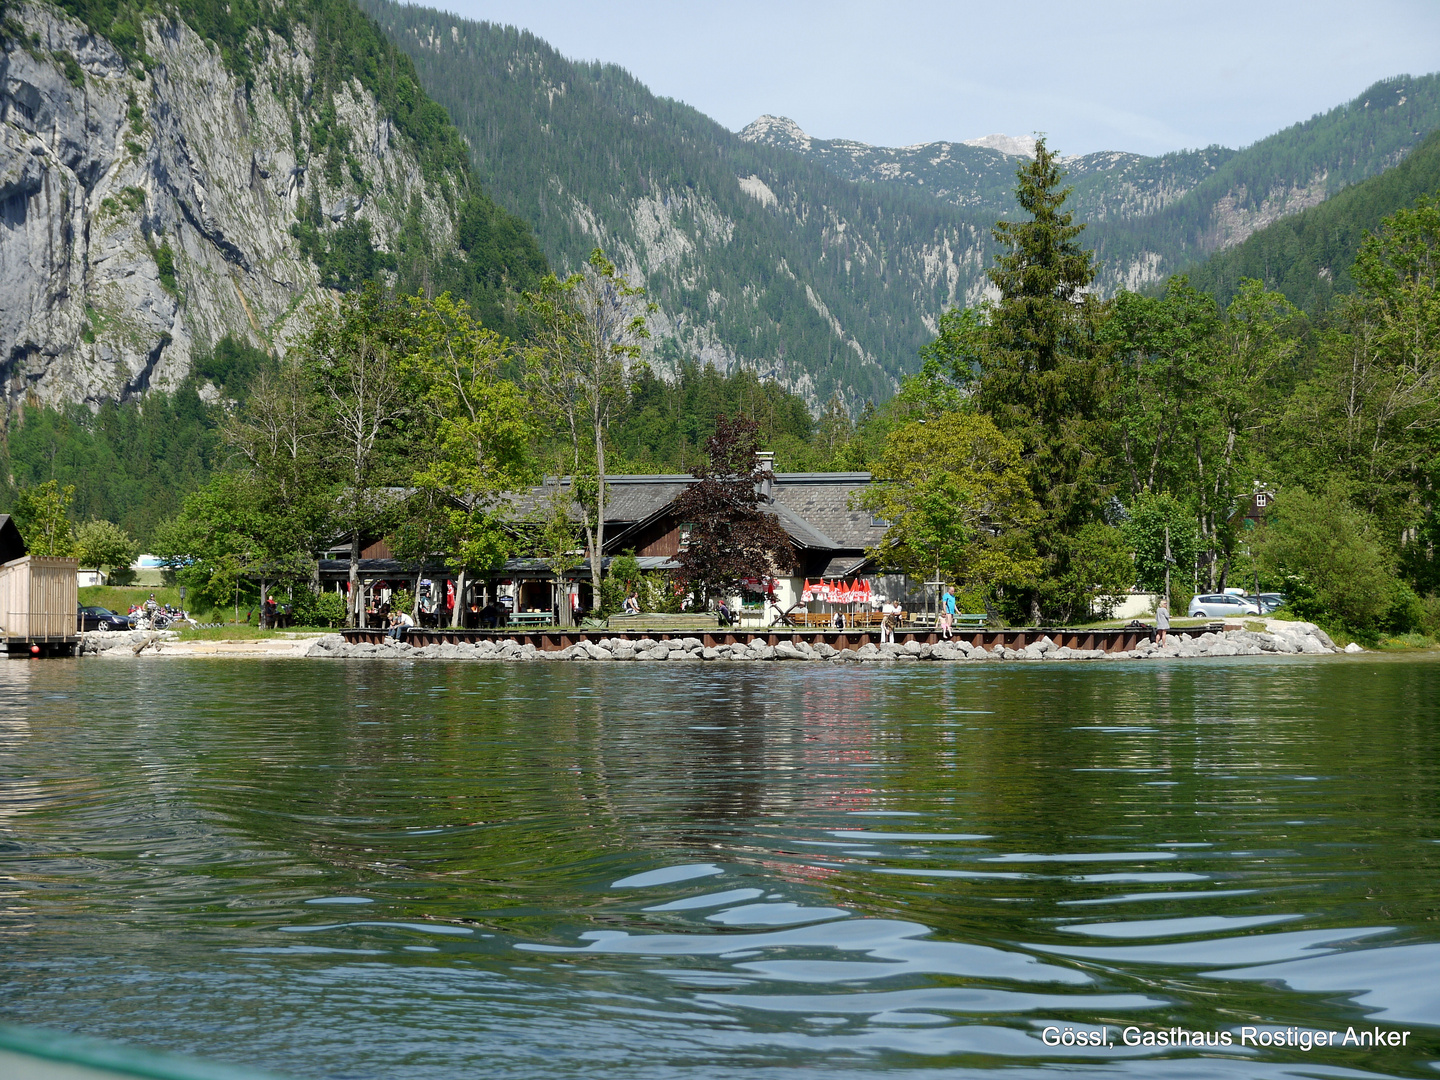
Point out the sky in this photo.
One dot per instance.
(1147, 77)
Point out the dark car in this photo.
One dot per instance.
(99, 618)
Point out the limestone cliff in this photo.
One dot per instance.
(148, 208)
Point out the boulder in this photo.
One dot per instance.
(1353, 647)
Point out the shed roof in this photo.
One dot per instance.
(12, 544)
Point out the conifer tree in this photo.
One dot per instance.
(1041, 368)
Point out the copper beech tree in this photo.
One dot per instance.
(732, 536)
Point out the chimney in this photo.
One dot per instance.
(765, 461)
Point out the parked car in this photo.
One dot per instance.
(1222, 605)
(1270, 601)
(99, 618)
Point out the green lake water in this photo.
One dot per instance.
(434, 870)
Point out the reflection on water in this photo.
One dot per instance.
(432, 870)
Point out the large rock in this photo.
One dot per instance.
(208, 166)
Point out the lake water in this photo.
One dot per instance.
(431, 870)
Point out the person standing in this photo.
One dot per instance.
(1162, 620)
(947, 613)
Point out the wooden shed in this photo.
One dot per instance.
(39, 597)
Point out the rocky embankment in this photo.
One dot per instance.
(123, 642)
(1278, 637)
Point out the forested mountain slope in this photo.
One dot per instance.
(982, 177)
(168, 182)
(827, 263)
(756, 257)
(1308, 256)
(1152, 216)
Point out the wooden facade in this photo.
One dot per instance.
(38, 601)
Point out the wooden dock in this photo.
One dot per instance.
(1121, 639)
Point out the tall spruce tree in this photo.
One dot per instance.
(1041, 368)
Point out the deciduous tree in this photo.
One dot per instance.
(732, 535)
(586, 337)
(101, 543)
(42, 516)
(955, 493)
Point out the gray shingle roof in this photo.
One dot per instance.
(824, 503)
(813, 507)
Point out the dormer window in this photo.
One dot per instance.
(878, 522)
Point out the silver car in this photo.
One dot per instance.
(1222, 605)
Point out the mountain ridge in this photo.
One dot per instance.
(826, 263)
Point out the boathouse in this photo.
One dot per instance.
(39, 598)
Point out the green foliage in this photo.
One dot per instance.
(1329, 555)
(1338, 148)
(129, 463)
(165, 264)
(346, 256)
(41, 514)
(100, 544)
(578, 366)
(74, 73)
(662, 425)
(232, 365)
(1158, 519)
(1099, 571)
(954, 490)
(328, 608)
(1307, 256)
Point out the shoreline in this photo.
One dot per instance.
(1279, 638)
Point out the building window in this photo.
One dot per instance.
(686, 528)
(878, 522)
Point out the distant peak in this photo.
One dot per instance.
(776, 131)
(1013, 145)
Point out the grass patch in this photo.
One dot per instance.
(118, 598)
(1406, 642)
(242, 632)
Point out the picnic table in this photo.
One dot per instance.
(530, 618)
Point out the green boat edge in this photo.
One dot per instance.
(28, 1053)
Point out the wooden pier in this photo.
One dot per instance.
(1120, 639)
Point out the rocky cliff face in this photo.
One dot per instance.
(147, 211)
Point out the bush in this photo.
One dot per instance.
(1429, 608)
(329, 609)
(318, 609)
(1334, 569)
(1150, 514)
